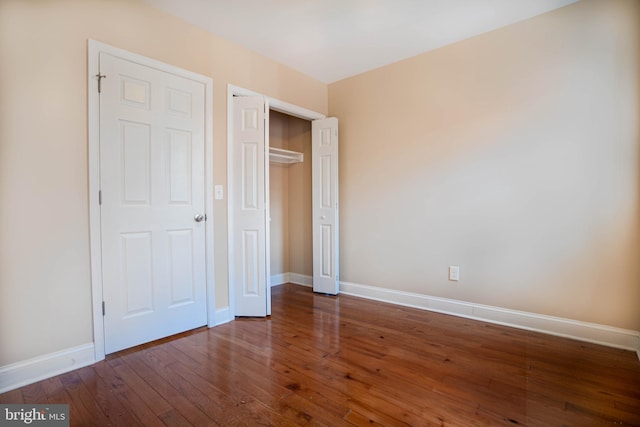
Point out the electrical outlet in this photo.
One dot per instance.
(454, 273)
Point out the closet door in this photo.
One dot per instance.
(249, 208)
(324, 165)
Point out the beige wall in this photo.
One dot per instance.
(290, 198)
(279, 196)
(45, 289)
(300, 231)
(514, 155)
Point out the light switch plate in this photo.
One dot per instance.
(454, 273)
(219, 192)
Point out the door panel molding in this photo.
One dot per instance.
(136, 96)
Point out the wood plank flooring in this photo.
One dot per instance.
(322, 360)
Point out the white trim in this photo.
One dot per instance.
(295, 278)
(94, 49)
(223, 315)
(230, 216)
(278, 105)
(267, 204)
(301, 279)
(590, 332)
(279, 279)
(209, 201)
(39, 368)
(95, 243)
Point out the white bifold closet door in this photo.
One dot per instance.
(324, 157)
(249, 206)
(249, 201)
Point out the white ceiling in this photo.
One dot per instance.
(334, 39)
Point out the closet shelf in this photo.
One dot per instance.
(278, 155)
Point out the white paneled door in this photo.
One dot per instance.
(152, 169)
(324, 158)
(249, 202)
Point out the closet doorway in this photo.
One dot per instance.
(290, 230)
(250, 156)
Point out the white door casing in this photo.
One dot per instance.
(267, 209)
(152, 135)
(249, 207)
(324, 157)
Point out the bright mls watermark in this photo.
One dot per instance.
(34, 415)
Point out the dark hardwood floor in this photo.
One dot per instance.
(322, 360)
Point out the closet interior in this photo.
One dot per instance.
(291, 243)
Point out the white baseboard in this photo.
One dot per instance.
(298, 279)
(279, 279)
(223, 315)
(42, 367)
(590, 332)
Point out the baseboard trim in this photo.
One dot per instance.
(301, 279)
(279, 279)
(295, 278)
(589, 332)
(223, 315)
(42, 367)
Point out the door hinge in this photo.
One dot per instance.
(100, 197)
(103, 309)
(100, 77)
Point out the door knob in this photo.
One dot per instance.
(198, 217)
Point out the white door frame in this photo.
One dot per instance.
(273, 104)
(94, 49)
